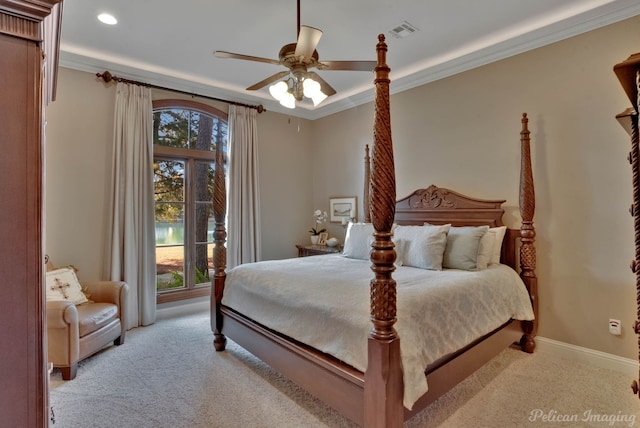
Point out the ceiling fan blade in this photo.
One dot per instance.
(324, 86)
(347, 65)
(268, 80)
(307, 41)
(223, 54)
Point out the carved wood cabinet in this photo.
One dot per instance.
(24, 73)
(628, 73)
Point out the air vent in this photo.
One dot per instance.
(403, 30)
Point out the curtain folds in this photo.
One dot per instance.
(243, 216)
(130, 254)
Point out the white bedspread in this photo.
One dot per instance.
(323, 301)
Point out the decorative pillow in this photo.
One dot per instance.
(400, 250)
(357, 244)
(462, 247)
(63, 284)
(497, 244)
(485, 250)
(424, 245)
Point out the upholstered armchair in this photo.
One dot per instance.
(76, 331)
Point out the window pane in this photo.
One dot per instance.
(204, 221)
(171, 127)
(169, 220)
(170, 254)
(201, 131)
(169, 267)
(168, 183)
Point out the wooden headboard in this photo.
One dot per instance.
(437, 205)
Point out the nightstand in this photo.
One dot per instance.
(316, 250)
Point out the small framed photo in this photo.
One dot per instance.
(322, 238)
(343, 209)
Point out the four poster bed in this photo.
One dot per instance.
(345, 349)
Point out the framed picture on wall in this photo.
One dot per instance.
(343, 209)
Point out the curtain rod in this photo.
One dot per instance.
(108, 77)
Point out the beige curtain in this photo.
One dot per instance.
(243, 216)
(130, 254)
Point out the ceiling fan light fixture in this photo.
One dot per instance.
(310, 87)
(299, 58)
(318, 98)
(288, 100)
(279, 90)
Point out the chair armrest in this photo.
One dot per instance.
(106, 291)
(61, 313)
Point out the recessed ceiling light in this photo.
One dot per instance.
(107, 19)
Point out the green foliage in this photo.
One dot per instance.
(315, 231)
(177, 280)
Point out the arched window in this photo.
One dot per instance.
(186, 135)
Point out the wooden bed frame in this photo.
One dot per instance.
(375, 398)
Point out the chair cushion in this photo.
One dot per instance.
(93, 316)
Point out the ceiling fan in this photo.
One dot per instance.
(299, 57)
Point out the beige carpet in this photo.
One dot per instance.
(168, 375)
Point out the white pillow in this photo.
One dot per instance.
(424, 245)
(357, 244)
(485, 249)
(462, 247)
(63, 284)
(497, 244)
(401, 245)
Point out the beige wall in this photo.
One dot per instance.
(463, 133)
(79, 135)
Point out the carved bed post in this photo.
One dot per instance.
(527, 236)
(367, 183)
(383, 387)
(219, 251)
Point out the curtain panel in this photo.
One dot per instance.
(243, 218)
(130, 253)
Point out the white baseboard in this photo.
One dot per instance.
(589, 356)
(181, 308)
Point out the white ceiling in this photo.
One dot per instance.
(171, 43)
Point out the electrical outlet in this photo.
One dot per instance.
(614, 327)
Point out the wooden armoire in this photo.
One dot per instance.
(29, 32)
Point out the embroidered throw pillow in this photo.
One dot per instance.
(63, 284)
